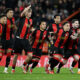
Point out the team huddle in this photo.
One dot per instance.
(63, 40)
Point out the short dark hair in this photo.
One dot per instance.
(56, 15)
(2, 15)
(65, 23)
(8, 9)
(43, 20)
(74, 20)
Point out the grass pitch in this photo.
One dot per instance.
(38, 74)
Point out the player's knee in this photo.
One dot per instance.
(35, 60)
(64, 62)
(57, 57)
(76, 57)
(30, 55)
(15, 56)
(9, 50)
(8, 54)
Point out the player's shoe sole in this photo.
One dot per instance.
(30, 71)
(51, 72)
(27, 67)
(13, 71)
(46, 69)
(24, 69)
(6, 72)
(71, 71)
(58, 71)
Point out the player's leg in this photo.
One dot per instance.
(79, 57)
(28, 49)
(7, 60)
(61, 64)
(8, 54)
(50, 57)
(27, 66)
(56, 59)
(2, 49)
(67, 54)
(17, 50)
(35, 61)
(47, 67)
(29, 57)
(1, 54)
(76, 59)
(79, 66)
(14, 62)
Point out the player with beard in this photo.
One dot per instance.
(58, 52)
(3, 21)
(53, 29)
(71, 47)
(22, 37)
(8, 36)
(38, 36)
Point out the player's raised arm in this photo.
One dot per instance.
(26, 9)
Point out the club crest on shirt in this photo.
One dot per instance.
(44, 35)
(27, 25)
(67, 34)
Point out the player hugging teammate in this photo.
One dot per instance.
(65, 46)
(63, 38)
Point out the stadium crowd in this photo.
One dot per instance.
(42, 8)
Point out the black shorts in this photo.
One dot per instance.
(37, 53)
(7, 44)
(59, 51)
(70, 52)
(51, 50)
(21, 44)
(2, 44)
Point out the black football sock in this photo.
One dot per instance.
(34, 65)
(79, 64)
(13, 66)
(50, 60)
(74, 63)
(7, 61)
(54, 63)
(0, 59)
(59, 67)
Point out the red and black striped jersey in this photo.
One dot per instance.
(55, 27)
(24, 28)
(61, 39)
(1, 29)
(73, 43)
(8, 29)
(38, 38)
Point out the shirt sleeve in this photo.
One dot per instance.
(0, 29)
(50, 28)
(34, 33)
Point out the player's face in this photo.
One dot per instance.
(10, 14)
(76, 24)
(28, 14)
(43, 25)
(66, 27)
(57, 19)
(4, 20)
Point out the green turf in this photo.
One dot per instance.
(38, 74)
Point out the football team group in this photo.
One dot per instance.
(63, 39)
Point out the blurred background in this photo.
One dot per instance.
(43, 8)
